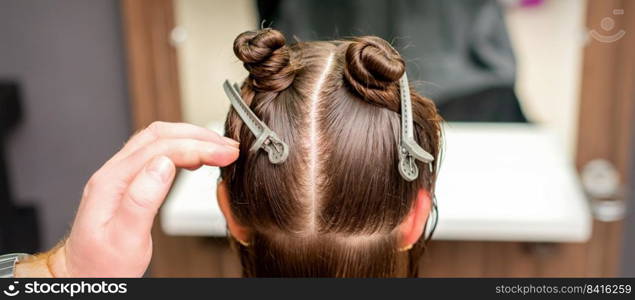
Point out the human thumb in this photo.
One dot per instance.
(144, 196)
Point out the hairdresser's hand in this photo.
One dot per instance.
(111, 233)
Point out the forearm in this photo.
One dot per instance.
(48, 264)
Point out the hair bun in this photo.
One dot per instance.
(372, 68)
(267, 59)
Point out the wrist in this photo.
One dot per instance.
(46, 265)
(34, 266)
(57, 261)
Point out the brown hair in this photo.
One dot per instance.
(332, 208)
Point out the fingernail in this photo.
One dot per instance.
(230, 142)
(213, 150)
(161, 167)
(232, 148)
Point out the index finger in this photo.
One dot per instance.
(107, 185)
(160, 130)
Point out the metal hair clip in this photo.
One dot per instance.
(409, 150)
(277, 150)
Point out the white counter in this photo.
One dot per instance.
(497, 182)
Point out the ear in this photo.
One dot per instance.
(238, 231)
(412, 227)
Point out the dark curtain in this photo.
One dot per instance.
(19, 229)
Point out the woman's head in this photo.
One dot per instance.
(338, 205)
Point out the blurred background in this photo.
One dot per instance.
(538, 95)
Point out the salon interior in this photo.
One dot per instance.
(538, 96)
